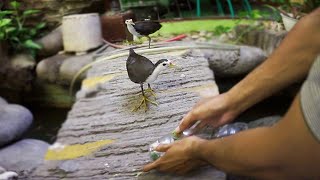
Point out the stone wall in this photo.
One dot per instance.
(267, 40)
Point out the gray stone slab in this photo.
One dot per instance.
(107, 115)
(23, 156)
(3, 102)
(15, 120)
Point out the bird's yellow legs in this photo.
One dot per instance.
(150, 90)
(149, 41)
(145, 100)
(144, 103)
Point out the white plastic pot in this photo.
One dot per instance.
(288, 22)
(81, 32)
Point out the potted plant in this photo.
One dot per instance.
(15, 35)
(293, 10)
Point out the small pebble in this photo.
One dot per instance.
(209, 34)
(57, 146)
(202, 39)
(231, 35)
(8, 175)
(202, 33)
(223, 38)
(182, 75)
(195, 36)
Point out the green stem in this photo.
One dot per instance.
(16, 12)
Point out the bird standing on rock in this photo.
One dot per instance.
(141, 70)
(143, 28)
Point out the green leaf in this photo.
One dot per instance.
(30, 12)
(33, 32)
(4, 22)
(7, 12)
(31, 44)
(15, 4)
(41, 25)
(10, 29)
(15, 39)
(2, 36)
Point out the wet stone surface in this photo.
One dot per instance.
(23, 156)
(84, 150)
(15, 121)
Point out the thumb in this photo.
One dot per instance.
(163, 147)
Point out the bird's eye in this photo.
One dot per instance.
(164, 64)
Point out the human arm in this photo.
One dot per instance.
(289, 63)
(286, 150)
(283, 150)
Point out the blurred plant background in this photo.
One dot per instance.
(16, 32)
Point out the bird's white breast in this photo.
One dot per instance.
(154, 74)
(152, 78)
(132, 30)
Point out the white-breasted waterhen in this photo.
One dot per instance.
(141, 70)
(143, 28)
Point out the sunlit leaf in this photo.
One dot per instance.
(4, 22)
(10, 29)
(30, 12)
(7, 12)
(41, 25)
(15, 4)
(31, 44)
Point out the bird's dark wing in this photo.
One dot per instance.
(147, 27)
(139, 68)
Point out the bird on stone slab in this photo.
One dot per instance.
(141, 70)
(143, 28)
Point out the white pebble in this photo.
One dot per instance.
(2, 170)
(57, 146)
(195, 36)
(8, 175)
(182, 75)
(202, 33)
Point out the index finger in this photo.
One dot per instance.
(189, 120)
(151, 166)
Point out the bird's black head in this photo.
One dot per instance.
(131, 51)
(164, 63)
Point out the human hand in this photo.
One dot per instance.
(181, 156)
(215, 111)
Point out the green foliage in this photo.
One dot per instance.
(218, 30)
(268, 12)
(310, 5)
(14, 30)
(274, 1)
(298, 10)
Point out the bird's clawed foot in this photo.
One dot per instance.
(144, 102)
(149, 90)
